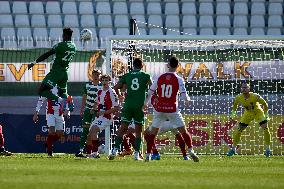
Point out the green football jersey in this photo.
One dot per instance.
(91, 92)
(64, 53)
(137, 86)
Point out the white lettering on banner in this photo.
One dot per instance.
(191, 71)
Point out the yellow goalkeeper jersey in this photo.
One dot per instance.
(252, 103)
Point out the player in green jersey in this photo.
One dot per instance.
(90, 94)
(58, 75)
(137, 83)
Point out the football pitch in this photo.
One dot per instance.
(64, 171)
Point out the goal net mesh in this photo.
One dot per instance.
(213, 70)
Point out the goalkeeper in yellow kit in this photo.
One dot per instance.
(252, 111)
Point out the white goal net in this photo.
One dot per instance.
(213, 68)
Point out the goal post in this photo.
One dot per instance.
(213, 68)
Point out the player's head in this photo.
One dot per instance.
(67, 34)
(173, 63)
(137, 63)
(245, 87)
(96, 75)
(105, 80)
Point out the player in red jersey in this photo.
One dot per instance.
(54, 118)
(107, 104)
(3, 151)
(167, 126)
(167, 87)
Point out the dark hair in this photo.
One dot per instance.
(174, 62)
(68, 32)
(96, 71)
(138, 63)
(106, 76)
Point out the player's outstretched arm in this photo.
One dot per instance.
(41, 58)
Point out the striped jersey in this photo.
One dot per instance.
(107, 99)
(91, 92)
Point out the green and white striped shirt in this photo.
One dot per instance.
(91, 92)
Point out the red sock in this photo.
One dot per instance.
(150, 143)
(187, 139)
(95, 145)
(181, 144)
(1, 137)
(49, 142)
(131, 139)
(155, 150)
(89, 149)
(55, 137)
(125, 143)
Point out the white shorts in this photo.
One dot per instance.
(101, 123)
(166, 126)
(174, 120)
(56, 121)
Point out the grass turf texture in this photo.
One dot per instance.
(64, 171)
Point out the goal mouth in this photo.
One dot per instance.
(213, 68)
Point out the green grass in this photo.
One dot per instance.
(64, 171)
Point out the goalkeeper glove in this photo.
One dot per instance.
(233, 114)
(266, 115)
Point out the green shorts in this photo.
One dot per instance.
(58, 78)
(88, 118)
(129, 113)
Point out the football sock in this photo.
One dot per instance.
(155, 150)
(1, 140)
(187, 139)
(49, 142)
(95, 145)
(117, 142)
(125, 143)
(237, 137)
(181, 144)
(137, 145)
(83, 138)
(89, 149)
(267, 137)
(150, 143)
(131, 139)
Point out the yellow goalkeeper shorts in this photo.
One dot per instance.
(257, 115)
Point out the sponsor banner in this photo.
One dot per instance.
(23, 136)
(192, 71)
(230, 70)
(212, 134)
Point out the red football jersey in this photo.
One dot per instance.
(106, 100)
(167, 87)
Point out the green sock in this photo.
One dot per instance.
(83, 137)
(117, 142)
(137, 144)
(49, 95)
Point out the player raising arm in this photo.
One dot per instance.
(167, 87)
(58, 75)
(252, 111)
(54, 118)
